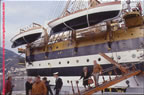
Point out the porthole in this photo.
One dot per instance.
(133, 56)
(68, 62)
(118, 57)
(77, 61)
(48, 63)
(59, 62)
(67, 81)
(127, 82)
(87, 60)
(39, 64)
(99, 59)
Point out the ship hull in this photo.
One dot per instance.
(71, 68)
(69, 61)
(66, 66)
(117, 46)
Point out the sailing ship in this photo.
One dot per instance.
(78, 36)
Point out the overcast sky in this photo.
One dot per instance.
(19, 14)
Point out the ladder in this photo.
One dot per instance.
(127, 72)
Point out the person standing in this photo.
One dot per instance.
(58, 83)
(9, 86)
(97, 69)
(85, 75)
(39, 88)
(28, 86)
(48, 86)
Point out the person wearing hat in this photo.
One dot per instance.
(58, 83)
(28, 86)
(48, 86)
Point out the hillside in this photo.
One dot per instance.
(11, 59)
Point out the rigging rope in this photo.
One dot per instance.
(58, 6)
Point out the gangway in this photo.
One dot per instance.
(127, 72)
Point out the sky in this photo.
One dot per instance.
(20, 13)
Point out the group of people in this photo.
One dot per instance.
(86, 75)
(42, 87)
(38, 87)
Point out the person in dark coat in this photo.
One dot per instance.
(58, 85)
(28, 86)
(85, 75)
(48, 86)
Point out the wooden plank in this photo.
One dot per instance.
(110, 83)
(123, 69)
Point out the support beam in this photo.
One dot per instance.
(123, 69)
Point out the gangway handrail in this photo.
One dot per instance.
(131, 70)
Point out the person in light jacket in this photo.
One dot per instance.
(39, 88)
(97, 69)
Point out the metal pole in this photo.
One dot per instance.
(78, 88)
(72, 88)
(128, 5)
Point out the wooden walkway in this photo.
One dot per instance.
(127, 72)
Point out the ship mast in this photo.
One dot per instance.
(76, 5)
(66, 7)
